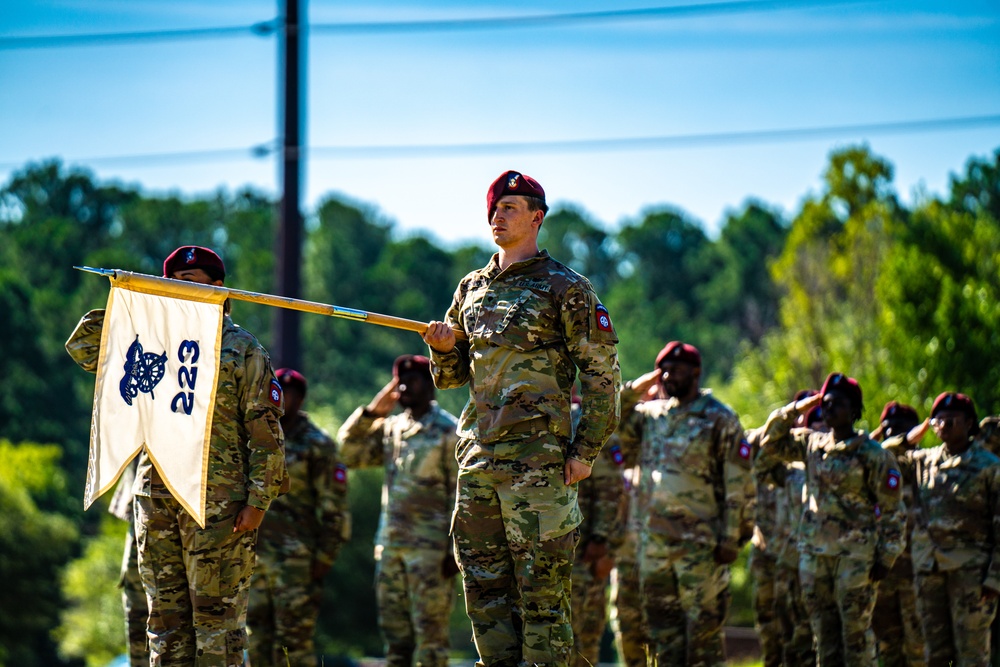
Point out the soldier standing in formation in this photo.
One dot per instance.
(602, 503)
(853, 526)
(197, 580)
(299, 542)
(956, 550)
(896, 622)
(530, 326)
(696, 471)
(416, 564)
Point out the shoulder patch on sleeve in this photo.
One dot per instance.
(340, 474)
(616, 454)
(603, 318)
(892, 479)
(274, 393)
(745, 450)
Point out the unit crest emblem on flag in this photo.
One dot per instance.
(143, 371)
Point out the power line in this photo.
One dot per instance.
(664, 142)
(267, 28)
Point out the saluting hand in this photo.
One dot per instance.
(646, 381)
(385, 399)
(808, 403)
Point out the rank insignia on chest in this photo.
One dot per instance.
(274, 392)
(892, 480)
(603, 318)
(744, 450)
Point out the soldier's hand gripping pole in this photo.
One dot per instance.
(182, 289)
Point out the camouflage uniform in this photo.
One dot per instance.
(602, 504)
(854, 518)
(197, 580)
(631, 636)
(789, 606)
(415, 598)
(956, 551)
(989, 436)
(896, 622)
(695, 475)
(304, 528)
(84, 346)
(764, 561)
(531, 327)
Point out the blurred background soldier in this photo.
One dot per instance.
(896, 622)
(603, 505)
(956, 551)
(299, 542)
(989, 438)
(84, 346)
(798, 644)
(416, 565)
(853, 526)
(695, 467)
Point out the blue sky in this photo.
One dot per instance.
(807, 65)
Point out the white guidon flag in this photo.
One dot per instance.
(156, 383)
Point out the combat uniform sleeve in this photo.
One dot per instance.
(450, 463)
(591, 340)
(885, 483)
(451, 370)
(738, 477)
(265, 439)
(361, 440)
(630, 427)
(84, 344)
(992, 579)
(329, 479)
(897, 446)
(779, 444)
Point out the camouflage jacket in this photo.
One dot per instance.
(765, 501)
(602, 498)
(900, 448)
(959, 520)
(530, 328)
(695, 469)
(418, 495)
(853, 507)
(789, 505)
(314, 512)
(246, 462)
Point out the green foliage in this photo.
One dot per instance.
(92, 624)
(907, 301)
(34, 545)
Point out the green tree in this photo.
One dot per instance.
(34, 545)
(92, 623)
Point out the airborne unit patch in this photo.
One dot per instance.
(603, 318)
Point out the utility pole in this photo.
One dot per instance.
(286, 345)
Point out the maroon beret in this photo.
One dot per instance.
(678, 351)
(950, 400)
(194, 257)
(410, 362)
(814, 415)
(900, 411)
(512, 183)
(847, 385)
(291, 378)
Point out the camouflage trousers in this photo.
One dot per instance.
(789, 608)
(631, 638)
(899, 637)
(956, 619)
(762, 568)
(514, 528)
(590, 613)
(284, 605)
(685, 600)
(197, 582)
(134, 602)
(414, 605)
(840, 597)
